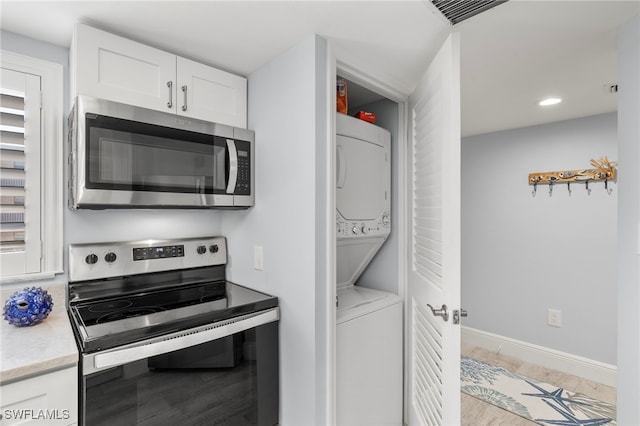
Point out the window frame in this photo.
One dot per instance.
(51, 162)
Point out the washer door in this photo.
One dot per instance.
(362, 186)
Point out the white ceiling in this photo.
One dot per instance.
(512, 55)
(521, 52)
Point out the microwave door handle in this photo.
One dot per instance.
(233, 166)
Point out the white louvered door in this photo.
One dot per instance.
(433, 261)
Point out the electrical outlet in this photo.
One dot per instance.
(554, 318)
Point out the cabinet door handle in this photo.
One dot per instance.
(184, 90)
(170, 86)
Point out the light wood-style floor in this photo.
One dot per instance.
(478, 413)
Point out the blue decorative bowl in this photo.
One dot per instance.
(27, 307)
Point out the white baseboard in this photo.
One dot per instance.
(549, 358)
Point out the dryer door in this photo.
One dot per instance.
(362, 181)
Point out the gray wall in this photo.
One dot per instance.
(39, 49)
(523, 254)
(628, 219)
(288, 104)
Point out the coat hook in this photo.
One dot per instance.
(550, 188)
(535, 189)
(586, 185)
(606, 187)
(569, 187)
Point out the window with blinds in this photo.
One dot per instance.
(31, 168)
(20, 123)
(12, 163)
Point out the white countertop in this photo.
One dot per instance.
(46, 346)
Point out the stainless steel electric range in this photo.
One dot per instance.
(165, 339)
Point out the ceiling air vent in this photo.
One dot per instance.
(459, 10)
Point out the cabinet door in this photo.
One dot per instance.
(210, 94)
(50, 399)
(114, 68)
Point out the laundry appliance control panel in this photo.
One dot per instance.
(347, 228)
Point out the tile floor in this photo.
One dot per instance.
(479, 413)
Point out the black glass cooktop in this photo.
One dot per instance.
(126, 317)
(119, 308)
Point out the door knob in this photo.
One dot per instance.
(442, 312)
(457, 314)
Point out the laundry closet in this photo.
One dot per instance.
(369, 307)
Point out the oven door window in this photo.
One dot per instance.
(231, 381)
(130, 156)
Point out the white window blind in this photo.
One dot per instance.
(12, 169)
(20, 171)
(31, 191)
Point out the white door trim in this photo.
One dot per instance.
(586, 368)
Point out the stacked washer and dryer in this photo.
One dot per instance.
(369, 322)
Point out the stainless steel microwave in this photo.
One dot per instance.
(121, 156)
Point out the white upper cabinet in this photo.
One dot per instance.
(211, 94)
(111, 67)
(114, 68)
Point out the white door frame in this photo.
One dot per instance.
(376, 84)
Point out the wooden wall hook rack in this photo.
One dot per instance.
(604, 170)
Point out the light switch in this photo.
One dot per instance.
(258, 258)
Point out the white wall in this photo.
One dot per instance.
(628, 220)
(288, 101)
(523, 254)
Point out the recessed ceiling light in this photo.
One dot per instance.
(549, 101)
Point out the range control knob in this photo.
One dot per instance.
(355, 230)
(385, 219)
(91, 259)
(213, 248)
(201, 249)
(110, 257)
(365, 230)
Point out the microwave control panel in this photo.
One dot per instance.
(243, 183)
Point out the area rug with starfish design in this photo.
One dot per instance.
(537, 401)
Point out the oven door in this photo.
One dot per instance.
(222, 373)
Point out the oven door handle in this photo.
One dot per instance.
(182, 339)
